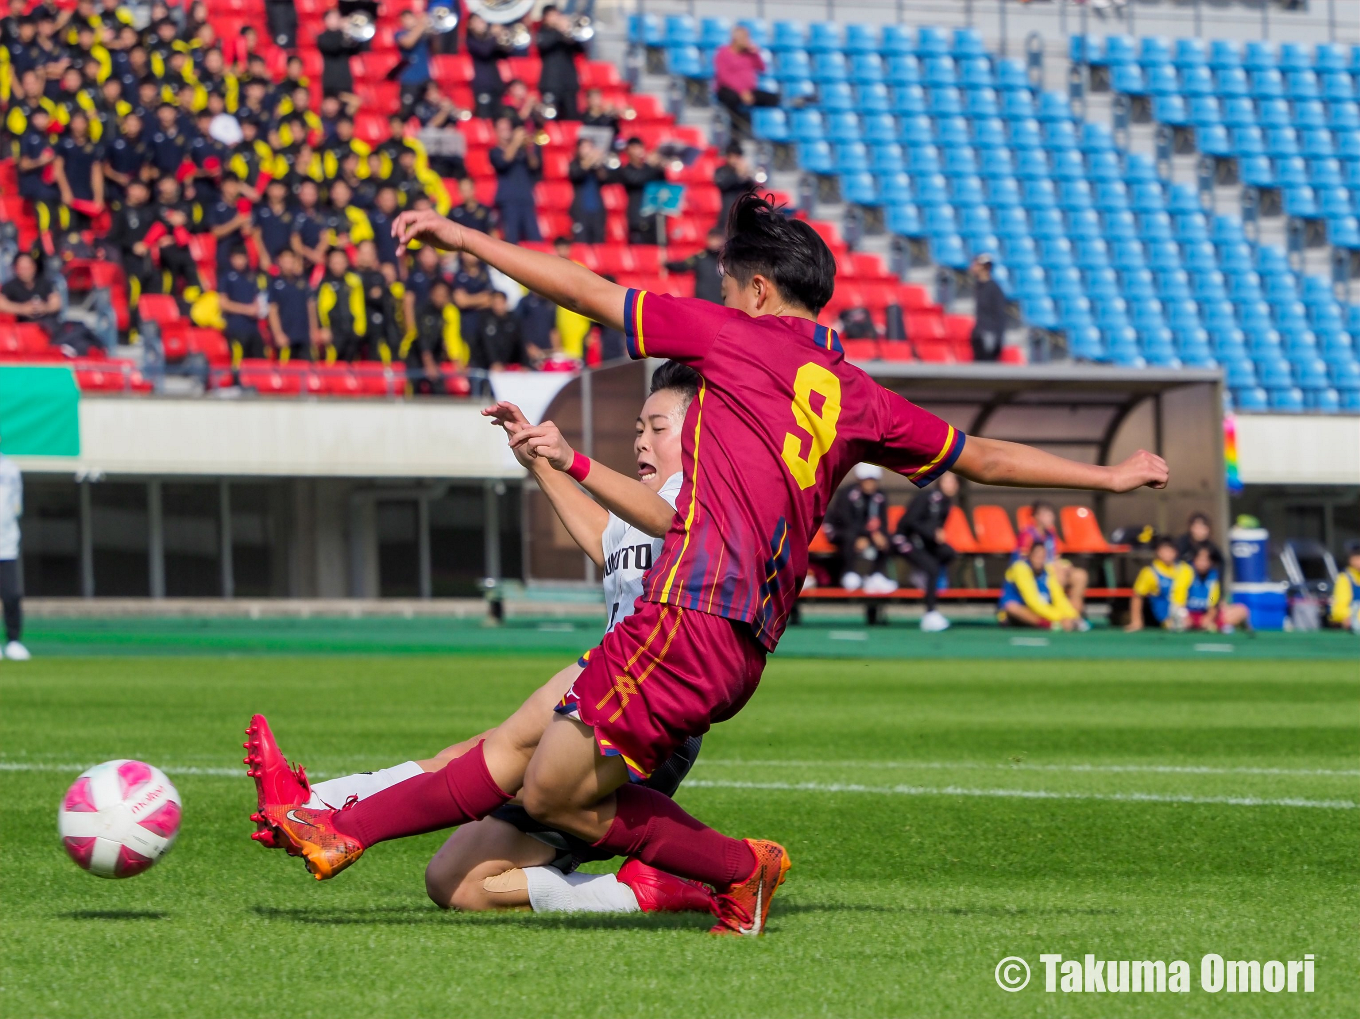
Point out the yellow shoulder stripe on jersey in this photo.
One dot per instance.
(637, 329)
(948, 444)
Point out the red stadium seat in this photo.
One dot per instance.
(957, 534)
(555, 164)
(703, 200)
(554, 224)
(925, 327)
(562, 133)
(370, 127)
(616, 228)
(896, 350)
(1082, 532)
(23, 338)
(526, 69)
(553, 195)
(454, 68)
(614, 197)
(599, 74)
(861, 350)
(1013, 355)
(210, 343)
(993, 530)
(1024, 518)
(158, 308)
(913, 298)
(478, 163)
(266, 377)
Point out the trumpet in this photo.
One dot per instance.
(443, 20)
(360, 19)
(512, 37)
(582, 29)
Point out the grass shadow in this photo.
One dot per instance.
(416, 915)
(987, 911)
(115, 914)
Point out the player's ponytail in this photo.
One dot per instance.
(763, 240)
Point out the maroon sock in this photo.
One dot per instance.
(654, 828)
(463, 791)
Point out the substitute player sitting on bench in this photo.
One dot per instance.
(1032, 595)
(1161, 590)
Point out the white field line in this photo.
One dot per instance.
(1156, 769)
(1020, 794)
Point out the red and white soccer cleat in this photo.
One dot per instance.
(660, 892)
(275, 781)
(311, 834)
(743, 907)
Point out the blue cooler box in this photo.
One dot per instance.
(1249, 548)
(1267, 603)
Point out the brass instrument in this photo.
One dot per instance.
(582, 29)
(360, 20)
(501, 12)
(443, 20)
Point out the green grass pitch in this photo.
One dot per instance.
(941, 815)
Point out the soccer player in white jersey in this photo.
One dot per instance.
(508, 859)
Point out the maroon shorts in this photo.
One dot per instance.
(660, 676)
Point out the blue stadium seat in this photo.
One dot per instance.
(1337, 87)
(685, 61)
(887, 157)
(829, 67)
(1294, 56)
(1248, 141)
(967, 42)
(1273, 113)
(1054, 106)
(860, 189)
(1112, 313)
(1256, 171)
(949, 251)
(878, 128)
(806, 125)
(1074, 312)
(681, 30)
(873, 98)
(960, 161)
(1170, 109)
(923, 159)
(1046, 224)
(1094, 256)
(853, 157)
(646, 30)
(903, 69)
(1085, 49)
(1082, 224)
(1251, 398)
(932, 41)
(976, 219)
(1239, 112)
(1074, 195)
(1031, 164)
(866, 69)
(944, 102)
(1120, 49)
(796, 92)
(1334, 202)
(1111, 194)
(966, 192)
(836, 96)
(1067, 165)
(1003, 192)
(976, 72)
(1190, 226)
(1259, 55)
(1162, 80)
(930, 189)
(1225, 53)
(791, 64)
(715, 32)
(815, 157)
(826, 37)
(916, 129)
(1241, 373)
(1155, 226)
(952, 131)
(1344, 232)
(1301, 85)
(1146, 196)
(1025, 134)
(1286, 400)
(1317, 143)
(1343, 116)
(1231, 83)
(1190, 52)
(770, 123)
(843, 127)
(1205, 111)
(897, 40)
(1154, 50)
(982, 102)
(1308, 114)
(939, 72)
(895, 188)
(1301, 202)
(1266, 83)
(1127, 79)
(903, 220)
(1120, 225)
(1282, 141)
(1017, 105)
(1348, 146)
(788, 35)
(1011, 75)
(861, 38)
(1039, 194)
(997, 163)
(1019, 252)
(1060, 135)
(1139, 289)
(1140, 169)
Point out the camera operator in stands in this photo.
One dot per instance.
(29, 297)
(737, 68)
(706, 266)
(857, 524)
(558, 49)
(920, 539)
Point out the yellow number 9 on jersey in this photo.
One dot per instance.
(821, 425)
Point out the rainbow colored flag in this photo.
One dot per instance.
(1230, 454)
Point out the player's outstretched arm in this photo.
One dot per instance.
(584, 518)
(565, 283)
(997, 462)
(626, 497)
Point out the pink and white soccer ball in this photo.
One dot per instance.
(119, 818)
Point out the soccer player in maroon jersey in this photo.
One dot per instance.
(780, 419)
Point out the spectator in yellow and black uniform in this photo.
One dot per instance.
(309, 225)
(229, 218)
(23, 105)
(127, 237)
(238, 291)
(208, 155)
(469, 212)
(342, 313)
(498, 342)
(163, 42)
(73, 97)
(30, 297)
(110, 107)
(301, 164)
(35, 159)
(273, 221)
(215, 79)
(251, 159)
(292, 309)
(168, 240)
(346, 224)
(381, 217)
(427, 346)
(296, 107)
(88, 49)
(426, 268)
(168, 142)
(343, 142)
(19, 34)
(383, 334)
(79, 172)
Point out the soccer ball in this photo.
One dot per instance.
(119, 818)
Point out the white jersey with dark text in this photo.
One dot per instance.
(628, 555)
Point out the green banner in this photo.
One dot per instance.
(39, 411)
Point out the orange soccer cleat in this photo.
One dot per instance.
(743, 907)
(659, 892)
(275, 781)
(312, 835)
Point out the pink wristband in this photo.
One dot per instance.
(580, 467)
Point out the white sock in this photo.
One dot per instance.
(334, 792)
(551, 891)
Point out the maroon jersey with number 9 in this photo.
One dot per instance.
(781, 417)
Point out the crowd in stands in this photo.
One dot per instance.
(864, 537)
(248, 185)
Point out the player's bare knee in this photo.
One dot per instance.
(440, 886)
(469, 896)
